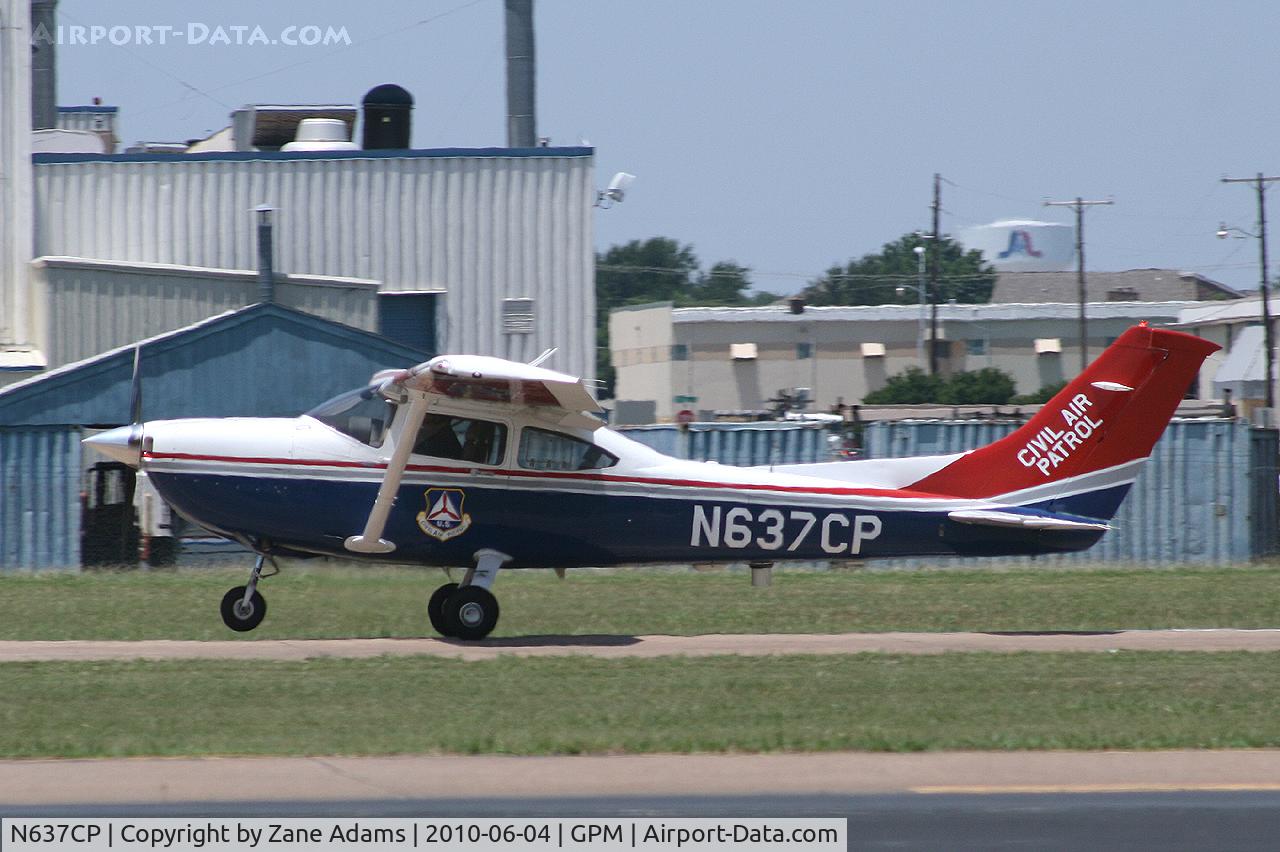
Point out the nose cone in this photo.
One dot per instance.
(119, 443)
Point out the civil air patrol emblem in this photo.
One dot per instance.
(443, 517)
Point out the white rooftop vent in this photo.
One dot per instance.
(321, 134)
(517, 316)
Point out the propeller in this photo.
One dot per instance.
(125, 443)
(135, 405)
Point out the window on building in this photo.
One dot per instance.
(976, 346)
(804, 351)
(542, 449)
(463, 438)
(679, 352)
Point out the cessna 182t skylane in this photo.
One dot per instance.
(481, 463)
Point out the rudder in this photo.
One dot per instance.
(1093, 434)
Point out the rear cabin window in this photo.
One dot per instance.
(541, 449)
(461, 438)
(363, 414)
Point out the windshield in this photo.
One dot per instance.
(364, 414)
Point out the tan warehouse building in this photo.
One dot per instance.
(736, 359)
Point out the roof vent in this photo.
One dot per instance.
(797, 304)
(321, 134)
(388, 115)
(517, 316)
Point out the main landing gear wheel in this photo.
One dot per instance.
(470, 613)
(435, 608)
(240, 615)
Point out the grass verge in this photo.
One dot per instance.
(568, 706)
(372, 602)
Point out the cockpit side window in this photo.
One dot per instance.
(363, 414)
(462, 438)
(542, 449)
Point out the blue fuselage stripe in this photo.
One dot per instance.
(547, 527)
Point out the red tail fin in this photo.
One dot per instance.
(1111, 414)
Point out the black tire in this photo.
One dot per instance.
(435, 608)
(236, 618)
(471, 613)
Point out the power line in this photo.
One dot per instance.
(1080, 204)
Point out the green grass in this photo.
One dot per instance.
(370, 602)
(570, 706)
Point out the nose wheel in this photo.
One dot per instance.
(244, 607)
(242, 615)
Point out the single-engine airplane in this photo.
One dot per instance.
(481, 463)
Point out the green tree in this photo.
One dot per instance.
(890, 276)
(654, 270)
(912, 387)
(660, 269)
(1046, 393)
(988, 386)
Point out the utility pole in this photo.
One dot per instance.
(1260, 185)
(1080, 204)
(933, 276)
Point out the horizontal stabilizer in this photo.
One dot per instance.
(995, 518)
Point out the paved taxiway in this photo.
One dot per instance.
(955, 800)
(648, 646)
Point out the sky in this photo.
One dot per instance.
(784, 136)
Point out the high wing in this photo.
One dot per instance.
(477, 378)
(483, 378)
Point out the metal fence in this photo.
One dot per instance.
(1208, 495)
(39, 497)
(742, 444)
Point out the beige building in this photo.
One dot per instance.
(736, 359)
(1238, 370)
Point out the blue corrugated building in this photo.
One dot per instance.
(264, 360)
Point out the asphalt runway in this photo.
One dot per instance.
(955, 800)
(617, 647)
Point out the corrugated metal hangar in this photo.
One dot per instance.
(486, 251)
(361, 254)
(481, 234)
(265, 360)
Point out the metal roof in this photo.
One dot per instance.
(1147, 285)
(486, 224)
(265, 360)
(961, 313)
(380, 154)
(1245, 362)
(1242, 310)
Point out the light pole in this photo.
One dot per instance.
(1260, 183)
(1224, 231)
(919, 288)
(1079, 204)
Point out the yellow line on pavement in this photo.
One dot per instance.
(1139, 787)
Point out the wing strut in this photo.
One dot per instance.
(371, 540)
